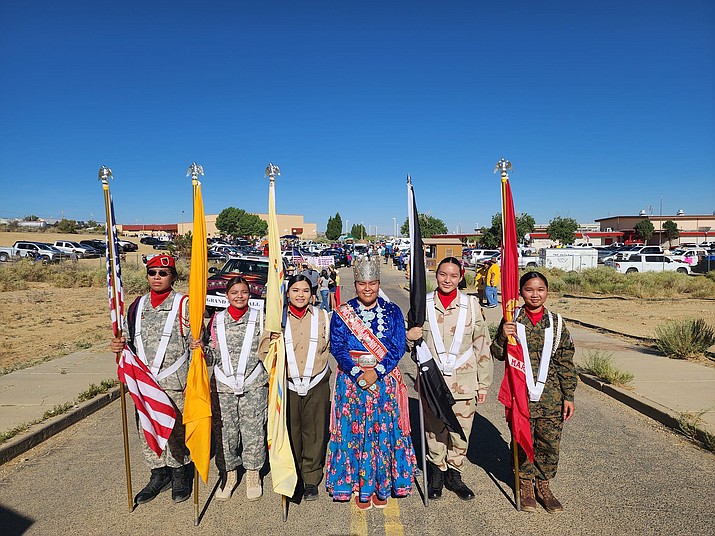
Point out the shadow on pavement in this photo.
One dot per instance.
(488, 450)
(13, 523)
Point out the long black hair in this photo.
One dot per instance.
(296, 279)
(454, 260)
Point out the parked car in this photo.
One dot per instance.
(254, 269)
(688, 256)
(649, 263)
(640, 249)
(83, 251)
(163, 244)
(480, 255)
(99, 245)
(216, 256)
(126, 245)
(149, 240)
(39, 251)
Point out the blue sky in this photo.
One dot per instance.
(600, 106)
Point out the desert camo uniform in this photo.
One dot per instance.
(239, 412)
(546, 413)
(152, 322)
(472, 376)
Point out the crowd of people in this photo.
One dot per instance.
(355, 437)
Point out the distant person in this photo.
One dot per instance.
(334, 288)
(158, 332)
(312, 274)
(324, 288)
(491, 284)
(548, 354)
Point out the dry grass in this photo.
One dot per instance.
(600, 364)
(682, 339)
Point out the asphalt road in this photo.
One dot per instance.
(620, 473)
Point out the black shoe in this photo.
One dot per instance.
(160, 480)
(435, 481)
(453, 482)
(181, 478)
(310, 493)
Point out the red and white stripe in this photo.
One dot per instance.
(156, 412)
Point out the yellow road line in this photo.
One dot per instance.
(358, 521)
(393, 523)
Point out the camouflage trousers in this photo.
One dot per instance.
(239, 428)
(546, 432)
(175, 454)
(447, 449)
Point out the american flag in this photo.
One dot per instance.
(156, 412)
(114, 285)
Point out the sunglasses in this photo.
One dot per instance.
(162, 273)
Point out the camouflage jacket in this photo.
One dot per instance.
(152, 326)
(562, 379)
(474, 376)
(235, 333)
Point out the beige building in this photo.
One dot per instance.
(695, 228)
(288, 224)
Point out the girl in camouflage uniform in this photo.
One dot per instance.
(239, 391)
(548, 349)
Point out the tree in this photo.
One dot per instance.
(66, 226)
(429, 226)
(670, 231)
(31, 217)
(237, 222)
(491, 237)
(644, 230)
(334, 228)
(358, 232)
(563, 230)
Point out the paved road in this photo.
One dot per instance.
(620, 473)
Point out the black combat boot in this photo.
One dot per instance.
(435, 481)
(160, 480)
(181, 482)
(453, 482)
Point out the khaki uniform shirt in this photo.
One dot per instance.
(300, 329)
(474, 376)
(153, 321)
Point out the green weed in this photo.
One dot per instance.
(600, 364)
(681, 339)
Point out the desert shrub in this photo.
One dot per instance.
(600, 364)
(681, 339)
(469, 280)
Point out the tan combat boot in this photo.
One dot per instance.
(550, 503)
(225, 493)
(254, 488)
(526, 495)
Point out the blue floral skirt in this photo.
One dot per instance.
(368, 453)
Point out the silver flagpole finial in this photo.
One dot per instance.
(194, 171)
(105, 174)
(272, 171)
(504, 166)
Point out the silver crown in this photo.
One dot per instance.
(367, 269)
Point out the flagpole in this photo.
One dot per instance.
(104, 175)
(503, 166)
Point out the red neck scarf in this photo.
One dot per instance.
(446, 299)
(236, 313)
(534, 316)
(300, 313)
(158, 298)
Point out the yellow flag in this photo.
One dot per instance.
(197, 408)
(280, 456)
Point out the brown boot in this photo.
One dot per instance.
(526, 495)
(550, 503)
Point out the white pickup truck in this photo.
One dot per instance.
(649, 263)
(32, 250)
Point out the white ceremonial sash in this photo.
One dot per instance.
(536, 389)
(296, 383)
(163, 342)
(225, 374)
(448, 362)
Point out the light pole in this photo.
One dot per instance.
(394, 227)
(347, 229)
(362, 230)
(181, 232)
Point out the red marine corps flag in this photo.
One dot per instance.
(513, 393)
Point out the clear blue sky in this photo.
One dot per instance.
(600, 106)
